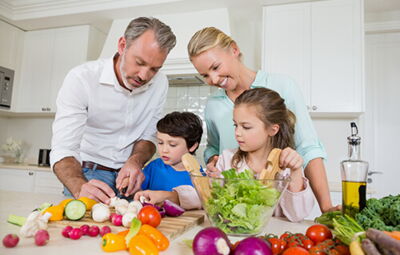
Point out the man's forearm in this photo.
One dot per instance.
(69, 172)
(315, 172)
(142, 152)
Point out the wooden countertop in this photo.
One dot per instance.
(22, 204)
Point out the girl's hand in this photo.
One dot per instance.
(289, 158)
(211, 169)
(157, 196)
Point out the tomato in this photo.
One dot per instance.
(295, 251)
(342, 249)
(149, 215)
(333, 252)
(316, 250)
(277, 245)
(285, 235)
(307, 244)
(318, 233)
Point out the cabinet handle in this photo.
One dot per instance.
(308, 107)
(30, 173)
(314, 108)
(43, 109)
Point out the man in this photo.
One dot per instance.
(107, 111)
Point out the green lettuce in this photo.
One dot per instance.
(241, 204)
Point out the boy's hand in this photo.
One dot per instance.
(289, 158)
(157, 196)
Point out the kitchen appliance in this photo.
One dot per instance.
(6, 84)
(44, 157)
(354, 176)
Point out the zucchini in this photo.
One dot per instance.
(75, 210)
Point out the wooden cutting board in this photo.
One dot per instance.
(171, 227)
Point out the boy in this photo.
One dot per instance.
(166, 178)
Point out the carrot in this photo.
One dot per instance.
(385, 242)
(394, 234)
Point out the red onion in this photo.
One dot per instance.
(211, 241)
(172, 209)
(252, 246)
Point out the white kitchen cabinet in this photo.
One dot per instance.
(48, 55)
(30, 181)
(10, 45)
(17, 180)
(320, 45)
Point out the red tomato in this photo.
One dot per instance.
(333, 252)
(318, 233)
(277, 245)
(149, 215)
(307, 244)
(342, 249)
(295, 251)
(285, 235)
(316, 250)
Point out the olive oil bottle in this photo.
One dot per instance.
(354, 176)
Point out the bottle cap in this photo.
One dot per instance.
(354, 139)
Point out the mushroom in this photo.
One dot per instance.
(35, 222)
(100, 212)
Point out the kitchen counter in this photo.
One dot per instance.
(21, 203)
(24, 166)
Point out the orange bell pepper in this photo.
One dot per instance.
(123, 233)
(158, 238)
(112, 242)
(142, 245)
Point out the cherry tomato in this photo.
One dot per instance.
(295, 251)
(318, 233)
(333, 252)
(285, 235)
(316, 250)
(149, 215)
(277, 245)
(307, 243)
(342, 249)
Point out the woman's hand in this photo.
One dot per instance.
(211, 169)
(289, 158)
(157, 196)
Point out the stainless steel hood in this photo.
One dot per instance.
(185, 80)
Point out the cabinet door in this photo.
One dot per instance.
(47, 182)
(17, 180)
(70, 50)
(11, 45)
(336, 58)
(37, 65)
(287, 43)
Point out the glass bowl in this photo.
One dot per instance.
(239, 207)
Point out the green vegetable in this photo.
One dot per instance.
(43, 207)
(133, 230)
(345, 228)
(381, 214)
(16, 220)
(327, 218)
(75, 210)
(241, 205)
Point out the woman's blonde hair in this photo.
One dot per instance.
(271, 109)
(208, 38)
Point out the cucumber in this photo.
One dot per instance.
(75, 210)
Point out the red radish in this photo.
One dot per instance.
(104, 230)
(41, 237)
(75, 234)
(85, 229)
(93, 231)
(65, 232)
(10, 240)
(117, 220)
(112, 216)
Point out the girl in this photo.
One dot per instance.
(262, 122)
(217, 57)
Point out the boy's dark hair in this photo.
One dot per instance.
(182, 124)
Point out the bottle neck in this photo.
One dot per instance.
(354, 152)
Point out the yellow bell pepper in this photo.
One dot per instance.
(112, 242)
(57, 212)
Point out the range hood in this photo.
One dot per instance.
(185, 79)
(184, 25)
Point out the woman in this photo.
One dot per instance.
(217, 57)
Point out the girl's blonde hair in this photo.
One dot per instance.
(208, 38)
(271, 109)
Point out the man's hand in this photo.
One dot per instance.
(97, 190)
(157, 196)
(211, 169)
(132, 171)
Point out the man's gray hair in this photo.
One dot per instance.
(163, 33)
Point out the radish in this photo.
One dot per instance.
(10, 240)
(117, 220)
(41, 237)
(85, 229)
(93, 231)
(104, 230)
(65, 232)
(75, 234)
